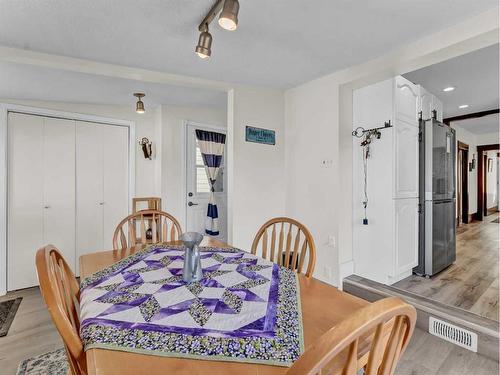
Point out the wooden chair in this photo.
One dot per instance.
(160, 226)
(286, 255)
(374, 338)
(61, 293)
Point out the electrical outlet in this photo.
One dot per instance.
(326, 163)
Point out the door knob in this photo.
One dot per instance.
(101, 203)
(46, 207)
(192, 204)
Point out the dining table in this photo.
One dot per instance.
(323, 307)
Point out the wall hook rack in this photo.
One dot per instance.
(360, 131)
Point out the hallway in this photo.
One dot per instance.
(471, 283)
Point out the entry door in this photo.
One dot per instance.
(198, 187)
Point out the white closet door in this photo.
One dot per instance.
(115, 177)
(89, 187)
(59, 186)
(25, 201)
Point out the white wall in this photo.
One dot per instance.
(255, 171)
(488, 138)
(319, 123)
(469, 139)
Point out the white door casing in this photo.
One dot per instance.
(197, 185)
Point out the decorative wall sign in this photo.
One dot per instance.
(258, 135)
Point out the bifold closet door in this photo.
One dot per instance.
(102, 184)
(115, 179)
(41, 197)
(89, 188)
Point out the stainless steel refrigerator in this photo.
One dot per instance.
(437, 243)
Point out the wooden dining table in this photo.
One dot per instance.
(323, 307)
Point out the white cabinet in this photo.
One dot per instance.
(429, 103)
(406, 160)
(406, 99)
(68, 186)
(41, 197)
(386, 250)
(406, 229)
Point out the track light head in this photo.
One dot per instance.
(228, 18)
(204, 47)
(139, 107)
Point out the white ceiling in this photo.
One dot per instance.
(26, 82)
(279, 43)
(474, 76)
(481, 125)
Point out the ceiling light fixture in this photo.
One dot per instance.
(448, 89)
(139, 107)
(463, 106)
(228, 19)
(204, 47)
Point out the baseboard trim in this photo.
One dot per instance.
(486, 329)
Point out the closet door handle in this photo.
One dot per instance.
(46, 207)
(101, 203)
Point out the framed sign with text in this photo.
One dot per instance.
(258, 135)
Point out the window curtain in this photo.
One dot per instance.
(212, 148)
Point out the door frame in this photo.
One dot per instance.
(481, 177)
(184, 139)
(464, 198)
(5, 109)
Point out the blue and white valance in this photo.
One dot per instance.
(212, 150)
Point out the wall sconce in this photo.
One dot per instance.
(472, 164)
(146, 145)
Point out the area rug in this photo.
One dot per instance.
(497, 220)
(8, 311)
(53, 363)
(244, 309)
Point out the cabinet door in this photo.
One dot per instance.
(89, 187)
(425, 103)
(437, 105)
(406, 160)
(115, 179)
(406, 101)
(406, 234)
(59, 186)
(25, 198)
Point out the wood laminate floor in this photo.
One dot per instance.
(33, 333)
(471, 283)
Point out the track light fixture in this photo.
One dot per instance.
(139, 107)
(204, 47)
(228, 19)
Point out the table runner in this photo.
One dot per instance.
(245, 308)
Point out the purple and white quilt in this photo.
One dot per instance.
(244, 309)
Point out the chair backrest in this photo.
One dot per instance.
(61, 293)
(146, 226)
(287, 242)
(374, 338)
(153, 203)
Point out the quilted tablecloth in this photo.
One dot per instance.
(244, 309)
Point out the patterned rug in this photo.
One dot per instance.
(244, 309)
(52, 363)
(8, 311)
